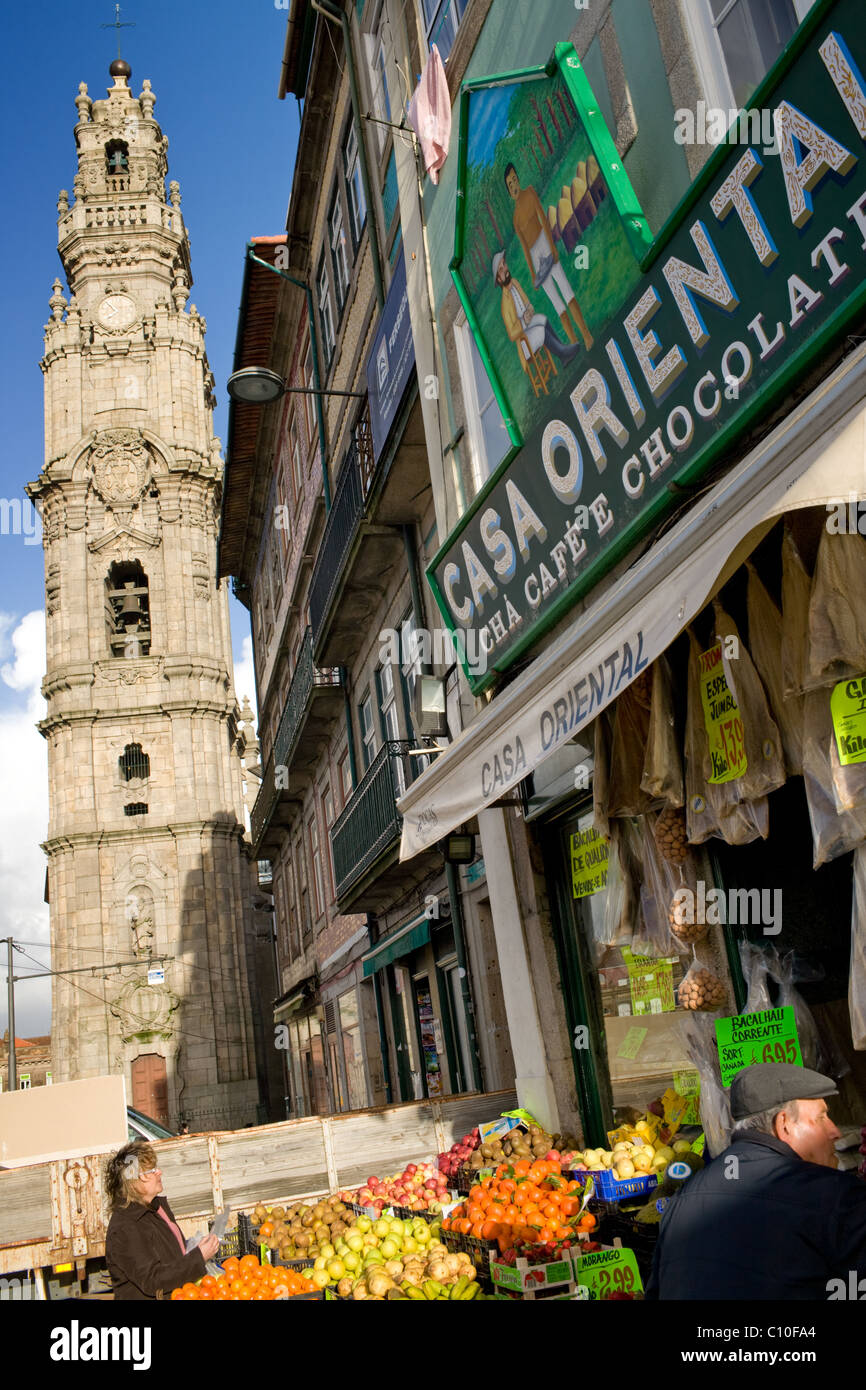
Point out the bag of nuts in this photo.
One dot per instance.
(701, 990)
(686, 921)
(671, 835)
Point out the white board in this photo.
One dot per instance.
(68, 1120)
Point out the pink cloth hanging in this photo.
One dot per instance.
(430, 114)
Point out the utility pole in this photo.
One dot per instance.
(10, 989)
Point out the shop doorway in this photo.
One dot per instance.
(430, 1033)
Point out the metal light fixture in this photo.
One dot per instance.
(255, 385)
(458, 847)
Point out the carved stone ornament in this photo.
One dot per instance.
(144, 1009)
(128, 672)
(120, 464)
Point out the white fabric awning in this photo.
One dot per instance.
(817, 455)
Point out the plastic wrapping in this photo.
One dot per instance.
(621, 919)
(857, 981)
(834, 831)
(796, 588)
(700, 1039)
(765, 646)
(628, 746)
(659, 882)
(700, 990)
(765, 770)
(820, 1055)
(671, 835)
(714, 809)
(754, 966)
(662, 776)
(837, 613)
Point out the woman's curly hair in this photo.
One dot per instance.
(123, 1169)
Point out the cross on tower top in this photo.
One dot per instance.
(119, 24)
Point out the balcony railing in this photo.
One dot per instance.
(263, 807)
(370, 822)
(341, 527)
(306, 678)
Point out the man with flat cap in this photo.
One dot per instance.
(770, 1218)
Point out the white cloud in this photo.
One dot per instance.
(24, 812)
(245, 676)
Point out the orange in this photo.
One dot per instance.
(512, 1214)
(490, 1230)
(545, 1234)
(587, 1222)
(522, 1167)
(475, 1192)
(266, 1229)
(250, 1262)
(507, 1185)
(231, 1264)
(176, 1294)
(477, 1229)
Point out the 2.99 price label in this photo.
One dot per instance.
(606, 1273)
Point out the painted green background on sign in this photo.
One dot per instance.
(522, 554)
(747, 1040)
(534, 192)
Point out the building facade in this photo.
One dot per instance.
(328, 522)
(149, 878)
(528, 212)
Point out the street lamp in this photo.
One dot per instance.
(259, 386)
(255, 385)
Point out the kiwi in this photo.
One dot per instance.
(307, 1219)
(303, 1240)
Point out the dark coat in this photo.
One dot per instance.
(782, 1228)
(142, 1253)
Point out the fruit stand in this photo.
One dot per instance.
(536, 1222)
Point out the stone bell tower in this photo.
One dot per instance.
(145, 838)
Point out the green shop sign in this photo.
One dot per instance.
(748, 1040)
(624, 366)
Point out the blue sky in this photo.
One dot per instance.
(215, 70)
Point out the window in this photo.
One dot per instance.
(117, 158)
(488, 437)
(127, 610)
(354, 184)
(737, 41)
(375, 46)
(337, 238)
(294, 932)
(345, 778)
(328, 817)
(368, 731)
(309, 398)
(316, 859)
(304, 893)
(295, 457)
(390, 721)
(326, 319)
(133, 763)
(135, 808)
(442, 18)
(350, 1030)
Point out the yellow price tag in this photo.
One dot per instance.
(722, 719)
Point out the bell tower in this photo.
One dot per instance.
(145, 841)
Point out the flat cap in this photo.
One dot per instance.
(775, 1083)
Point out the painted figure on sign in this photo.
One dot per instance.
(522, 320)
(533, 232)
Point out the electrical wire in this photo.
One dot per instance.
(101, 999)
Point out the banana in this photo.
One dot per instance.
(432, 1288)
(458, 1289)
(417, 1295)
(472, 1291)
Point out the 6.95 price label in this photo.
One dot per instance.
(770, 1035)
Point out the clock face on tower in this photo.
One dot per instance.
(116, 312)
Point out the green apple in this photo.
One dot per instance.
(355, 1241)
(352, 1261)
(363, 1224)
(389, 1248)
(382, 1227)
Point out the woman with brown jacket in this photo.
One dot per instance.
(144, 1247)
